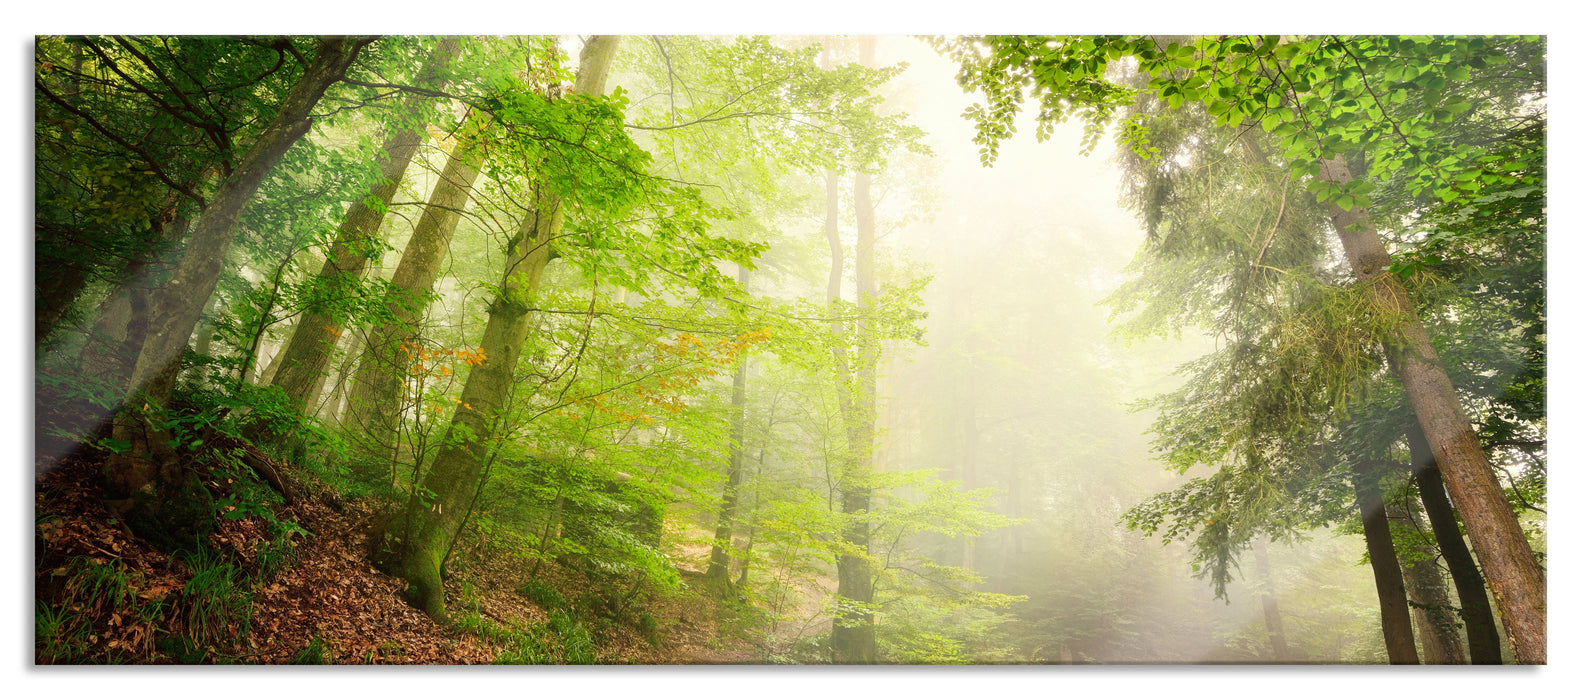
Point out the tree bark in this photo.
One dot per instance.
(1431, 608)
(306, 356)
(1518, 583)
(112, 347)
(376, 398)
(177, 306)
(1271, 608)
(719, 570)
(1394, 612)
(458, 467)
(853, 638)
(1483, 637)
(331, 410)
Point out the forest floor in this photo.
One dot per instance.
(331, 593)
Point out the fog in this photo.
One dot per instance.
(732, 350)
(1022, 387)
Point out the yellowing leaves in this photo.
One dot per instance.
(432, 371)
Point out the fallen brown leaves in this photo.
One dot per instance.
(332, 593)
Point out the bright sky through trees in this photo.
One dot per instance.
(1097, 408)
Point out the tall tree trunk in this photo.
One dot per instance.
(1394, 612)
(968, 406)
(308, 353)
(177, 306)
(1271, 608)
(1518, 583)
(853, 638)
(458, 467)
(1431, 608)
(1483, 637)
(719, 570)
(376, 397)
(111, 349)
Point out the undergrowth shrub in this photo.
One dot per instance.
(182, 649)
(562, 640)
(217, 607)
(545, 595)
(59, 635)
(389, 651)
(98, 615)
(576, 644)
(648, 626)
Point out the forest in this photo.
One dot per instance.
(789, 350)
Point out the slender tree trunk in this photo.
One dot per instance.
(251, 372)
(179, 304)
(752, 527)
(272, 369)
(1518, 583)
(307, 354)
(341, 365)
(719, 570)
(1483, 637)
(1431, 608)
(968, 405)
(376, 398)
(459, 465)
(1271, 607)
(853, 637)
(1394, 612)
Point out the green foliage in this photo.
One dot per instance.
(1439, 128)
(917, 632)
(182, 649)
(576, 645)
(216, 607)
(97, 600)
(279, 552)
(94, 589)
(561, 640)
(59, 635)
(526, 649)
(648, 626)
(1393, 97)
(546, 596)
(315, 653)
